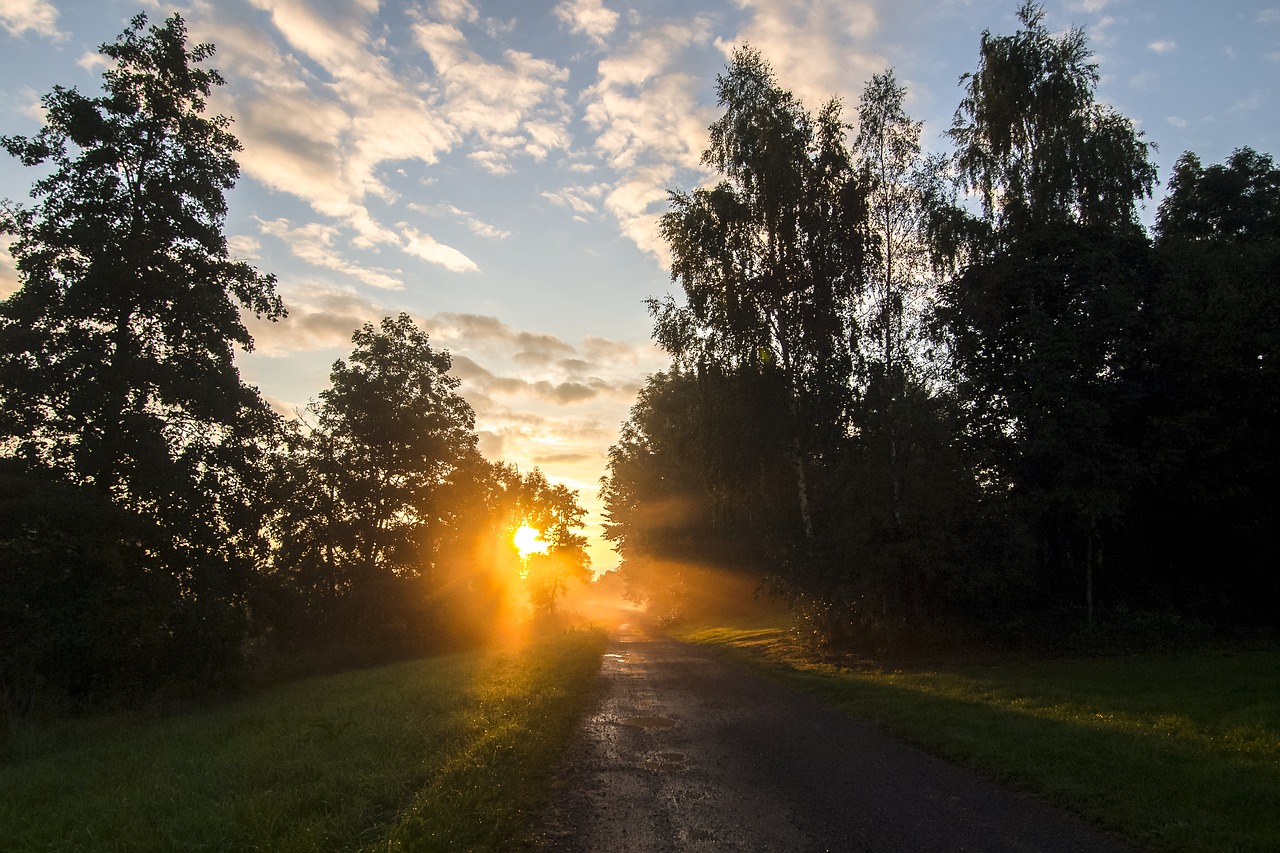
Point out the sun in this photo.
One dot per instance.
(529, 541)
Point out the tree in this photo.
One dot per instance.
(699, 481)
(553, 510)
(117, 351)
(365, 489)
(769, 258)
(1210, 387)
(1040, 315)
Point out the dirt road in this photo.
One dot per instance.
(688, 752)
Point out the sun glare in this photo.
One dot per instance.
(529, 541)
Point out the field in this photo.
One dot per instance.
(1177, 753)
(450, 752)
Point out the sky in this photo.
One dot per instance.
(496, 168)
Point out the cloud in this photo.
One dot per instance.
(576, 198)
(244, 247)
(473, 223)
(588, 17)
(513, 107)
(1253, 101)
(1162, 46)
(649, 123)
(818, 49)
(1144, 81)
(429, 249)
(320, 317)
(1269, 16)
(1176, 122)
(314, 243)
(37, 16)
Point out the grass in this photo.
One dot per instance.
(450, 753)
(1177, 752)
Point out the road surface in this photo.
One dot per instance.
(686, 751)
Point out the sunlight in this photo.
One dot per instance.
(529, 541)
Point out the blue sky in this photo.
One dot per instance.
(496, 169)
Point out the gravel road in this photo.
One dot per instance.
(686, 751)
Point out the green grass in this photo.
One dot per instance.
(451, 752)
(1178, 753)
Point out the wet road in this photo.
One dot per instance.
(688, 752)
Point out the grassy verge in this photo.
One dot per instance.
(443, 753)
(1178, 753)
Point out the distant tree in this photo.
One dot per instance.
(117, 351)
(554, 511)
(699, 480)
(364, 488)
(1040, 316)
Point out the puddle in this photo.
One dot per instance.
(648, 722)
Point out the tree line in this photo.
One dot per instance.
(159, 522)
(925, 397)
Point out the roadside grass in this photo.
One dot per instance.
(1177, 752)
(451, 752)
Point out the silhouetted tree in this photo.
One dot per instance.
(1211, 438)
(552, 509)
(116, 352)
(364, 487)
(1040, 315)
(769, 258)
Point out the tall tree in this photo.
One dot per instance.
(1210, 384)
(1040, 316)
(117, 351)
(769, 257)
(364, 492)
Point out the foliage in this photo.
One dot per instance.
(698, 479)
(364, 492)
(116, 352)
(768, 258)
(1210, 389)
(999, 420)
(554, 511)
(1040, 315)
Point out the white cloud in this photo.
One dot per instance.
(1253, 101)
(1269, 16)
(649, 123)
(588, 17)
(1144, 80)
(473, 223)
(1177, 122)
(37, 16)
(244, 247)
(1163, 46)
(315, 243)
(321, 140)
(819, 49)
(509, 107)
(429, 249)
(576, 198)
